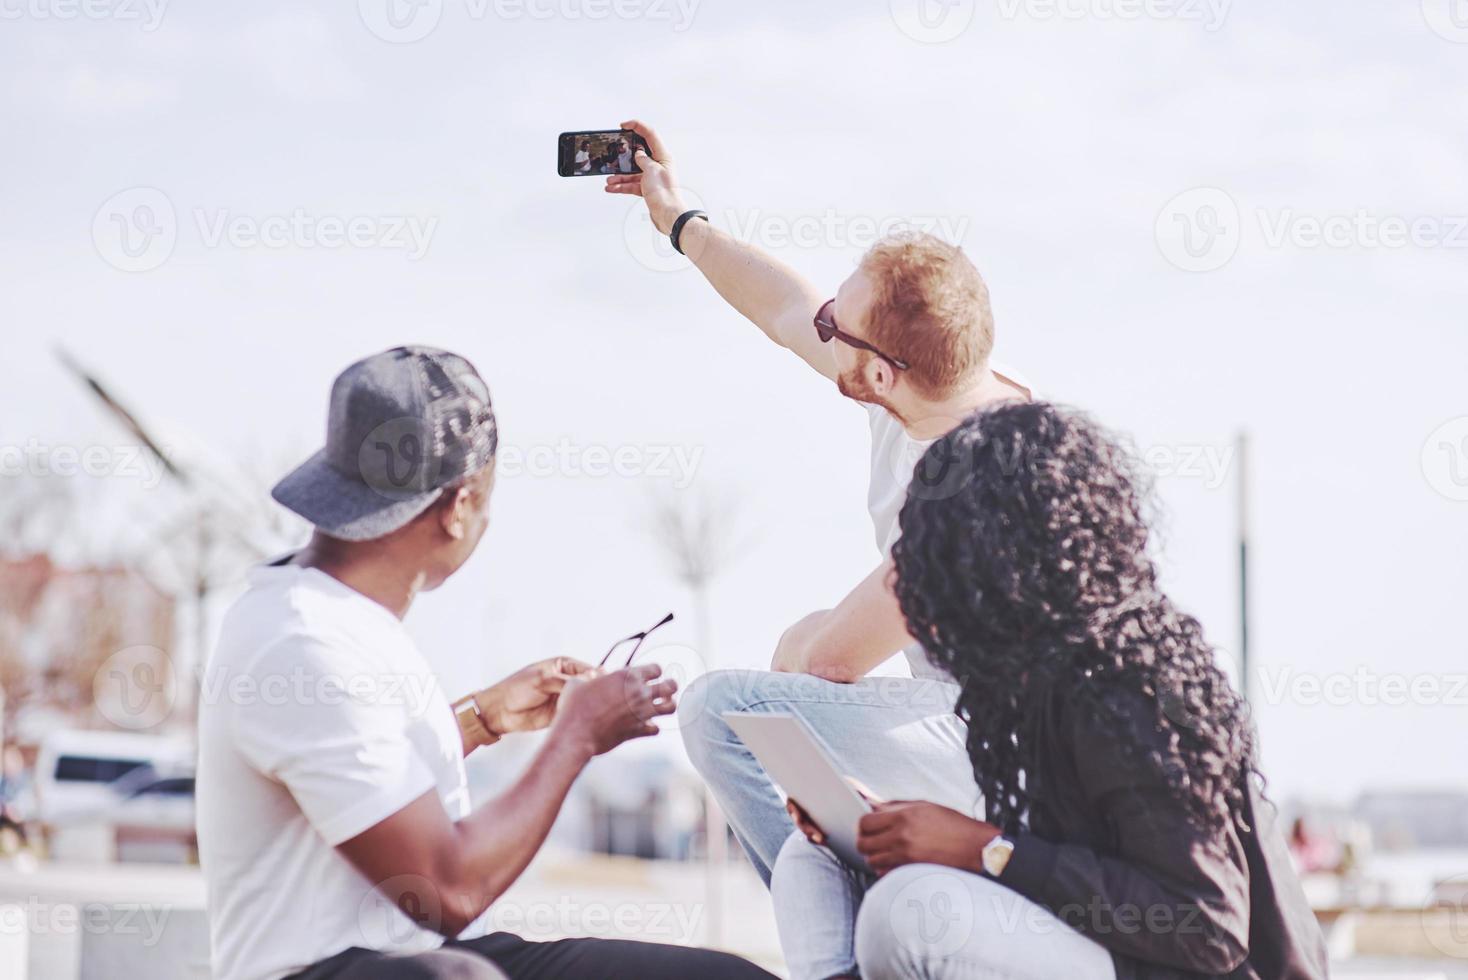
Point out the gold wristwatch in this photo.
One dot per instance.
(472, 723)
(995, 856)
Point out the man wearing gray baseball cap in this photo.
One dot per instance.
(335, 830)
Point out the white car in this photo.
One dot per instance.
(118, 778)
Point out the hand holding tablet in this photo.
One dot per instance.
(792, 754)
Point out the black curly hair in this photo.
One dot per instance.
(1023, 569)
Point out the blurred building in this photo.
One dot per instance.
(58, 627)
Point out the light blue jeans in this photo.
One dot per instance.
(919, 922)
(896, 735)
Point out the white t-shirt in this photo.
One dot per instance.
(894, 456)
(318, 719)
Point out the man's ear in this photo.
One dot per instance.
(453, 512)
(881, 378)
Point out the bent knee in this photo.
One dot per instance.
(798, 853)
(702, 704)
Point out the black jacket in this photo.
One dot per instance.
(1111, 851)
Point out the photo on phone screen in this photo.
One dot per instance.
(597, 152)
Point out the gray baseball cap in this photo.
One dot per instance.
(402, 425)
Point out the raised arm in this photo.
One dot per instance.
(444, 874)
(767, 292)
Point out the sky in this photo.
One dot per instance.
(1196, 218)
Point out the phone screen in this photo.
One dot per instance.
(597, 152)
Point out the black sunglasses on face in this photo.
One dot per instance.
(636, 639)
(826, 327)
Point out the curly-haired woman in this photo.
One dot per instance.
(1124, 834)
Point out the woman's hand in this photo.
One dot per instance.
(804, 823)
(526, 700)
(908, 832)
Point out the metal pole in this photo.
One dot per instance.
(716, 843)
(1242, 500)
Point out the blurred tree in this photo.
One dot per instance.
(700, 537)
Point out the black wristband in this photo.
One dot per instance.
(683, 219)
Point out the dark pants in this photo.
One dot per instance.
(505, 955)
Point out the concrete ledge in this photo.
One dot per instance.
(158, 943)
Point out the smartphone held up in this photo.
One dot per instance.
(598, 152)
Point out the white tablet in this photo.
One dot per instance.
(795, 759)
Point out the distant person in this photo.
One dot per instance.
(624, 157)
(335, 831)
(910, 336)
(1312, 851)
(583, 158)
(16, 793)
(1124, 836)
